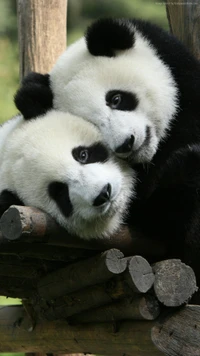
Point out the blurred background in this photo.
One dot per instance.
(80, 14)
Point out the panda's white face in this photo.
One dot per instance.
(131, 97)
(58, 163)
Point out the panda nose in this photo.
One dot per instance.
(104, 195)
(127, 146)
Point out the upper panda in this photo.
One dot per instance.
(120, 76)
(59, 163)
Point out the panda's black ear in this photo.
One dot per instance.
(7, 199)
(106, 36)
(34, 97)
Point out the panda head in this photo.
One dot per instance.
(114, 78)
(59, 164)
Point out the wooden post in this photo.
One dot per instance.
(42, 33)
(184, 21)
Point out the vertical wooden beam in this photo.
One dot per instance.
(41, 32)
(184, 21)
(42, 38)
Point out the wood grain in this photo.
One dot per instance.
(184, 21)
(42, 34)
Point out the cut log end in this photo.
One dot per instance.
(139, 274)
(11, 224)
(175, 282)
(114, 261)
(149, 307)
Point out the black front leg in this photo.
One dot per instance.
(7, 199)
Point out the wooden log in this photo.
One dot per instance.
(30, 224)
(20, 223)
(39, 43)
(76, 276)
(13, 266)
(17, 287)
(139, 307)
(100, 294)
(139, 274)
(184, 21)
(44, 252)
(175, 282)
(58, 337)
(174, 334)
(85, 299)
(179, 333)
(18, 270)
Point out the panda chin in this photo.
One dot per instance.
(144, 155)
(103, 226)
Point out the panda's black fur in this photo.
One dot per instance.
(168, 191)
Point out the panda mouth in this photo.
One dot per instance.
(129, 155)
(145, 144)
(104, 208)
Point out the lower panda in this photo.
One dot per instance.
(59, 163)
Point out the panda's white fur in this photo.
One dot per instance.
(80, 81)
(37, 152)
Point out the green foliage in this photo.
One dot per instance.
(9, 301)
(15, 354)
(8, 20)
(9, 77)
(82, 12)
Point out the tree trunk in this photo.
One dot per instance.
(42, 34)
(184, 21)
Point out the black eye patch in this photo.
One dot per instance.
(121, 100)
(59, 192)
(92, 154)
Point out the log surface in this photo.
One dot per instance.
(139, 274)
(175, 334)
(175, 282)
(139, 307)
(184, 21)
(82, 274)
(27, 224)
(119, 287)
(59, 337)
(38, 38)
(179, 334)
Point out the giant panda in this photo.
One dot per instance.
(59, 163)
(141, 87)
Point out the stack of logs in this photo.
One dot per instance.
(60, 277)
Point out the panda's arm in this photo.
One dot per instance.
(7, 199)
(34, 97)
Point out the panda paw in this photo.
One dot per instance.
(35, 96)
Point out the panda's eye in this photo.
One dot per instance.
(115, 101)
(121, 100)
(83, 156)
(91, 154)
